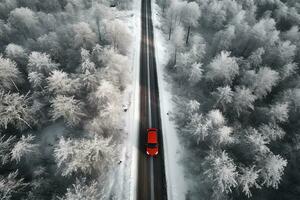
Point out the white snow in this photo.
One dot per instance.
(173, 151)
(50, 135)
(133, 111)
(132, 118)
(125, 176)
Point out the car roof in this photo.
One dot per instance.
(152, 137)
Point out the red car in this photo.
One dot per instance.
(152, 144)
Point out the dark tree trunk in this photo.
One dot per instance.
(175, 56)
(188, 35)
(170, 32)
(98, 27)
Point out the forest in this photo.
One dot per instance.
(64, 67)
(234, 67)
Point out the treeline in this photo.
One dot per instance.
(62, 62)
(235, 69)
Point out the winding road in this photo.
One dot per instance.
(151, 184)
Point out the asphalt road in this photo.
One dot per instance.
(151, 171)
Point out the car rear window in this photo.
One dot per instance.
(152, 145)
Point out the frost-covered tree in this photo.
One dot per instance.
(193, 106)
(6, 7)
(117, 68)
(249, 179)
(41, 62)
(16, 52)
(222, 68)
(216, 117)
(87, 66)
(84, 191)
(172, 16)
(265, 80)
(84, 35)
(243, 99)
(67, 108)
(106, 92)
(272, 170)
(292, 34)
(224, 96)
(85, 155)
(251, 70)
(9, 74)
(60, 83)
(198, 127)
(23, 147)
(222, 172)
(219, 133)
(271, 131)
(292, 96)
(177, 41)
(196, 73)
(15, 110)
(288, 70)
(223, 39)
(223, 136)
(189, 16)
(215, 15)
(100, 12)
(24, 20)
(5, 148)
(36, 79)
(255, 59)
(118, 34)
(264, 33)
(197, 48)
(279, 112)
(164, 4)
(281, 54)
(10, 185)
(257, 141)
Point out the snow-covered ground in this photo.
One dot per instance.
(125, 176)
(50, 135)
(176, 182)
(132, 118)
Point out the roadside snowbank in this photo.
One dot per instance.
(176, 181)
(132, 119)
(125, 176)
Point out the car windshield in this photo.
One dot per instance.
(152, 145)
